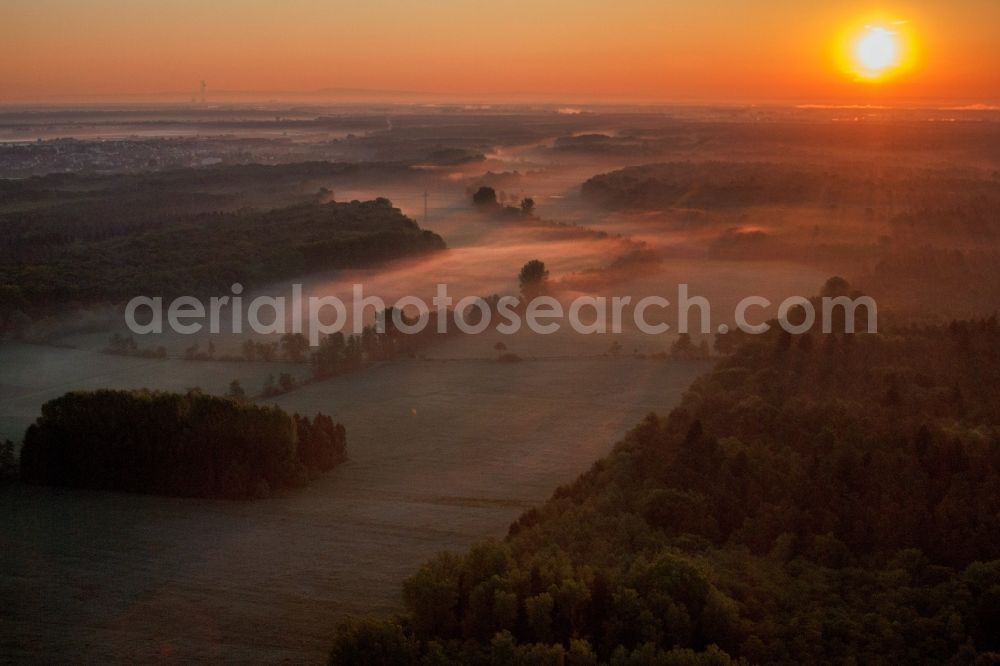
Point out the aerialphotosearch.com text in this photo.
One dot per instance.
(316, 316)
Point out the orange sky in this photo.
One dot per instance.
(560, 50)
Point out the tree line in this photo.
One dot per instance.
(199, 254)
(192, 445)
(814, 499)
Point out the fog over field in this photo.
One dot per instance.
(447, 445)
(442, 453)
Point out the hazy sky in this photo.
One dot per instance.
(579, 50)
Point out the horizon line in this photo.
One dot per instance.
(417, 97)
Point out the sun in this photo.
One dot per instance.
(876, 49)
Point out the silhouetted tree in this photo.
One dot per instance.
(167, 443)
(834, 287)
(236, 391)
(294, 346)
(485, 197)
(533, 279)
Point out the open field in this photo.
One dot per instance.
(442, 454)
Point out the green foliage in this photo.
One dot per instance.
(125, 345)
(50, 257)
(172, 444)
(321, 442)
(829, 503)
(369, 643)
(728, 184)
(485, 197)
(338, 354)
(533, 278)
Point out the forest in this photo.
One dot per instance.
(732, 185)
(88, 239)
(814, 499)
(190, 445)
(206, 253)
(922, 238)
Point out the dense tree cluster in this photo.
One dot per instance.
(339, 354)
(275, 387)
(321, 442)
(179, 253)
(931, 236)
(716, 184)
(125, 345)
(172, 444)
(486, 200)
(216, 249)
(815, 499)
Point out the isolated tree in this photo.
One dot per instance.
(683, 347)
(835, 286)
(294, 346)
(533, 279)
(500, 348)
(236, 391)
(527, 206)
(485, 197)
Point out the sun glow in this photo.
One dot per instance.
(876, 50)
